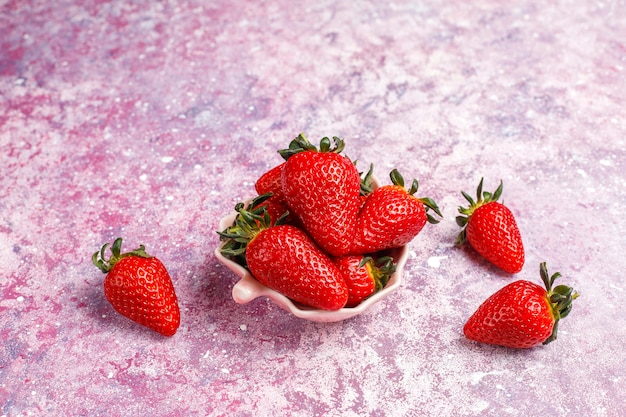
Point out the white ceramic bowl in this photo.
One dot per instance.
(248, 288)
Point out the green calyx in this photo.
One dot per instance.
(250, 220)
(105, 264)
(380, 269)
(301, 144)
(559, 297)
(482, 198)
(367, 181)
(428, 202)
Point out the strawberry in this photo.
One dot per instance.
(364, 275)
(271, 182)
(392, 216)
(284, 258)
(323, 189)
(274, 209)
(522, 314)
(490, 228)
(263, 212)
(139, 287)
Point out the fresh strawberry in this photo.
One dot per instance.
(271, 182)
(364, 275)
(522, 314)
(322, 188)
(490, 228)
(274, 209)
(139, 287)
(263, 212)
(392, 216)
(284, 258)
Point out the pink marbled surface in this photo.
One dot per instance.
(150, 120)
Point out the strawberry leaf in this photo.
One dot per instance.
(559, 297)
(301, 144)
(105, 264)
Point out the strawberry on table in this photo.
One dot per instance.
(392, 216)
(491, 229)
(284, 258)
(139, 287)
(323, 189)
(522, 314)
(364, 275)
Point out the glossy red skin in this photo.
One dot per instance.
(271, 182)
(142, 290)
(390, 218)
(285, 259)
(492, 231)
(360, 282)
(323, 190)
(517, 316)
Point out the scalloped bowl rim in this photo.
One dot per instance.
(248, 288)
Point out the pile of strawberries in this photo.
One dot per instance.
(320, 233)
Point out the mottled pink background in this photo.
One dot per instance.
(150, 120)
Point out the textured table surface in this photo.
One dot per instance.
(151, 120)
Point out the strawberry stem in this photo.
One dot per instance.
(560, 298)
(105, 264)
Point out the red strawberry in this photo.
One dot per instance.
(490, 228)
(392, 216)
(322, 188)
(284, 258)
(271, 182)
(139, 287)
(364, 275)
(275, 209)
(522, 314)
(262, 211)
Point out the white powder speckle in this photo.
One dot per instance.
(606, 162)
(476, 377)
(143, 177)
(480, 406)
(20, 298)
(243, 327)
(167, 159)
(435, 261)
